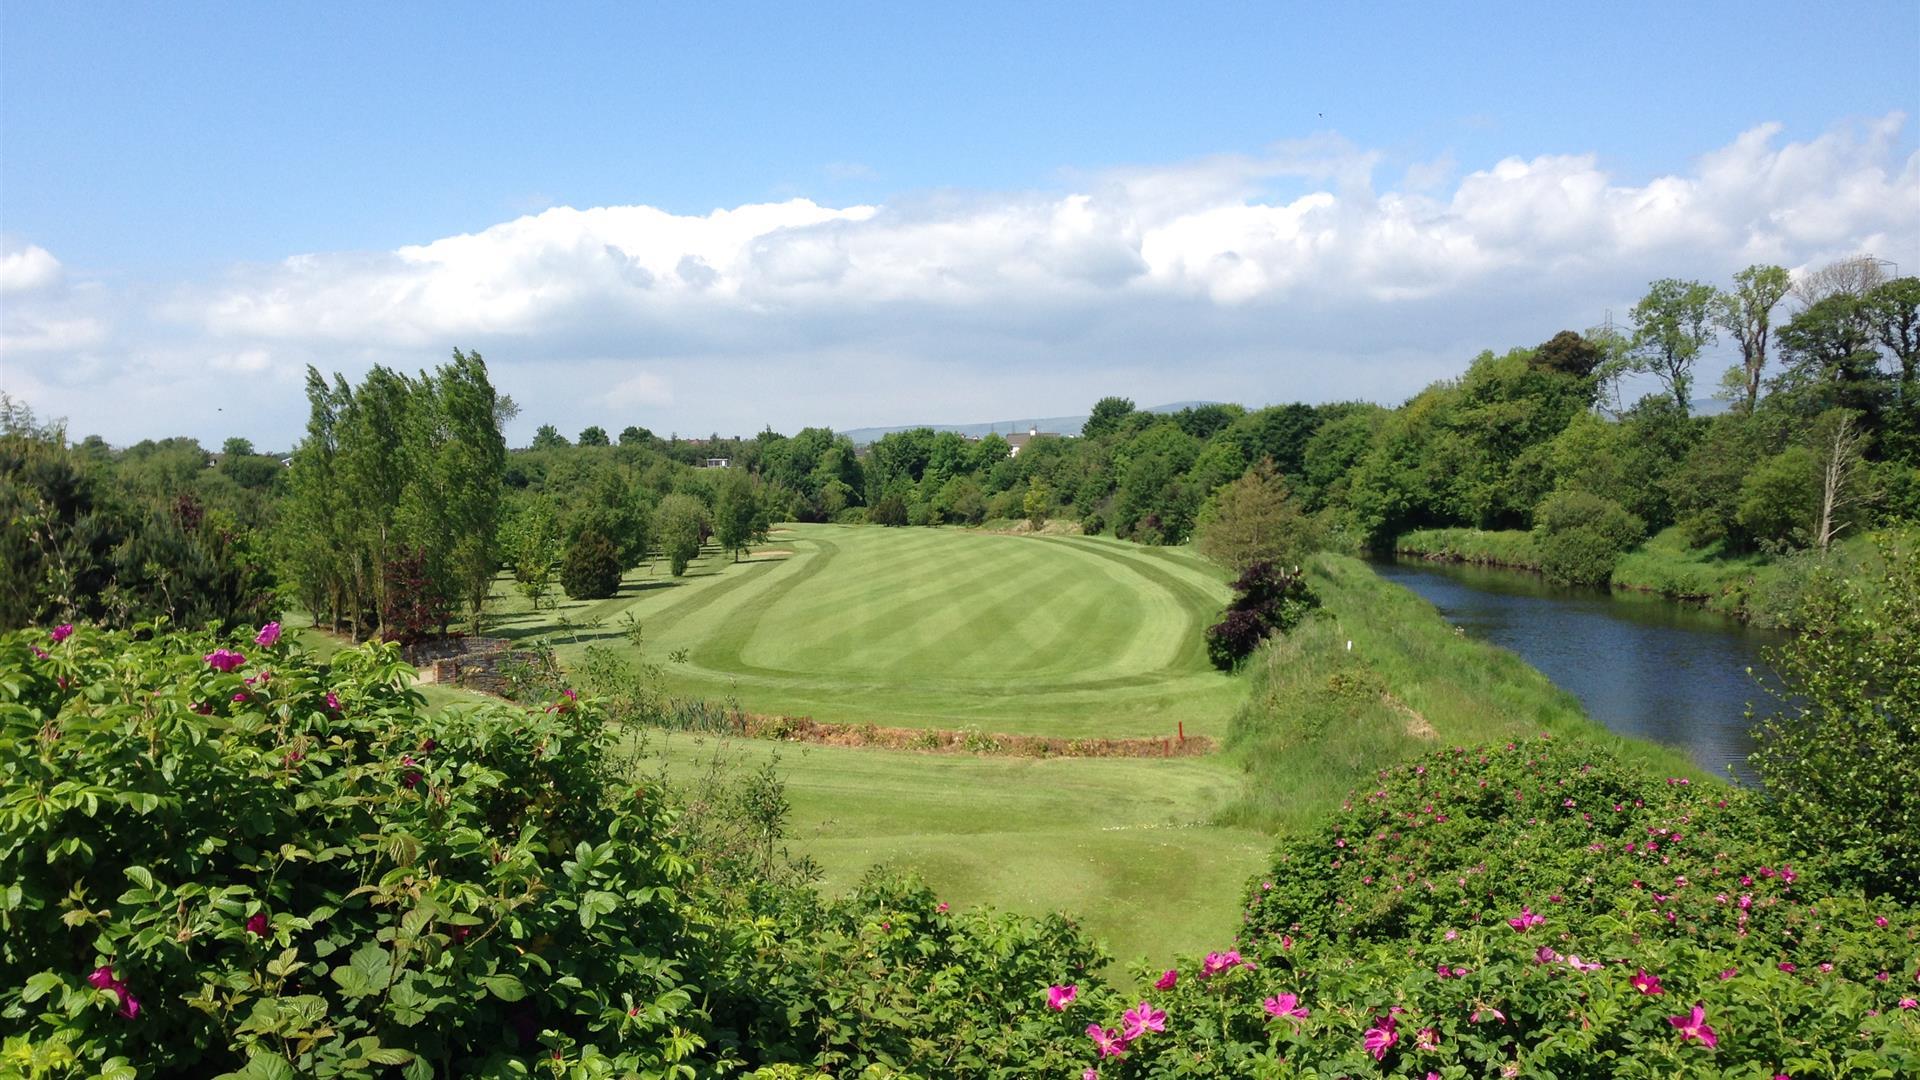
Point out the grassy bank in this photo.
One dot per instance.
(1750, 586)
(1322, 717)
(1510, 548)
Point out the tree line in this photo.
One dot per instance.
(402, 502)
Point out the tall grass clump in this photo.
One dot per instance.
(1515, 549)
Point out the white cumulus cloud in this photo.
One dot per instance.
(27, 268)
(1289, 274)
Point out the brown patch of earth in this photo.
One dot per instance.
(965, 741)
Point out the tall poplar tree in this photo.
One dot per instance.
(469, 476)
(398, 480)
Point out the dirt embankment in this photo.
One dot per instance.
(965, 741)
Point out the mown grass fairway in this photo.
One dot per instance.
(1066, 636)
(1124, 844)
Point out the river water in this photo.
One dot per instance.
(1643, 666)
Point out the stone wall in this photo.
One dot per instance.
(422, 654)
(472, 663)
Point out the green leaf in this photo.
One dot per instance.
(504, 987)
(372, 961)
(354, 983)
(41, 985)
(263, 1066)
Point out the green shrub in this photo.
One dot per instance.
(1778, 499)
(1268, 600)
(1581, 536)
(591, 570)
(891, 510)
(223, 855)
(892, 977)
(1839, 751)
(1499, 912)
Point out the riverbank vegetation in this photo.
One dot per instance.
(1752, 586)
(1376, 678)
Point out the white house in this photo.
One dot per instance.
(1016, 441)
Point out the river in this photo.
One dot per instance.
(1642, 665)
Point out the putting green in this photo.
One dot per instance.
(1066, 636)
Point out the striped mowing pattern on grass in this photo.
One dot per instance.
(1066, 636)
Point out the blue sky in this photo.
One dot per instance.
(168, 160)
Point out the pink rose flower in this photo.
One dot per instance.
(224, 660)
(1141, 1019)
(1285, 1005)
(1108, 1043)
(1526, 920)
(1694, 1026)
(1381, 1037)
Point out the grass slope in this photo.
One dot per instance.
(1321, 718)
(1044, 635)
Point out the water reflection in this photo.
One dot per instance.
(1641, 665)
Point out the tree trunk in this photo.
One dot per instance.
(1834, 480)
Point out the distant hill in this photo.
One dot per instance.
(1062, 425)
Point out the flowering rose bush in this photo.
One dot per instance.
(238, 859)
(223, 856)
(885, 979)
(1542, 910)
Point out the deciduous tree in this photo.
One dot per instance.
(1105, 419)
(681, 521)
(1746, 312)
(737, 518)
(1892, 313)
(1671, 325)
